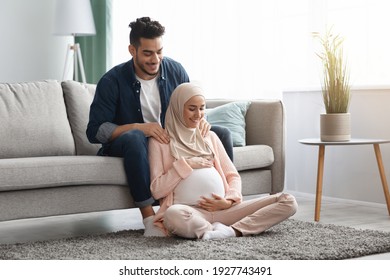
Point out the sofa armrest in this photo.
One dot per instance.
(265, 125)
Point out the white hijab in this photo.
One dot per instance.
(185, 142)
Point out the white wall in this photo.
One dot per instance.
(350, 172)
(228, 46)
(28, 50)
(255, 48)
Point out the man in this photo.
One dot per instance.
(129, 106)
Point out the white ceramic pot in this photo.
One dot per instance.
(335, 127)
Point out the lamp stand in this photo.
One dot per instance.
(77, 62)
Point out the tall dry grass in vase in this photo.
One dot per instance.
(335, 87)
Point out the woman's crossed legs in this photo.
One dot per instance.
(248, 217)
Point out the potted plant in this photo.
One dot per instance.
(336, 122)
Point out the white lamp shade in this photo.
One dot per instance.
(74, 17)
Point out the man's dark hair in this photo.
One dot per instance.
(144, 28)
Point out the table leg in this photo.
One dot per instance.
(383, 175)
(320, 175)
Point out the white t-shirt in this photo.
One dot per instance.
(150, 100)
(201, 182)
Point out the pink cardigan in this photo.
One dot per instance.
(166, 173)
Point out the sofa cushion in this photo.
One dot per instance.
(253, 157)
(231, 116)
(45, 172)
(34, 121)
(78, 99)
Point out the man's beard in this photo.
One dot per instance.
(142, 68)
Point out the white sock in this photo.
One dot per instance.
(219, 231)
(151, 229)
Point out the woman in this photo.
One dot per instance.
(197, 184)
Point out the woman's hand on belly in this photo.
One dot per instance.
(214, 203)
(199, 162)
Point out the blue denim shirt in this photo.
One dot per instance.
(117, 98)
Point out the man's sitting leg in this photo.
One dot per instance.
(133, 147)
(225, 136)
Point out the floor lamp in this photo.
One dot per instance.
(78, 65)
(74, 18)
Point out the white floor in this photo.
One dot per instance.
(334, 211)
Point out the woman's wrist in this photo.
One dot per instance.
(230, 203)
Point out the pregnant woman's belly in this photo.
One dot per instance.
(201, 182)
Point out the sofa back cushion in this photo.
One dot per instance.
(33, 120)
(78, 99)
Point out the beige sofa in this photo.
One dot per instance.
(48, 167)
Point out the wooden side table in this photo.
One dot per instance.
(320, 170)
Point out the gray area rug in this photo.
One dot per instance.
(290, 240)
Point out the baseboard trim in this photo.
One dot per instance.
(339, 200)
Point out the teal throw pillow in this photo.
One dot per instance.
(231, 116)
